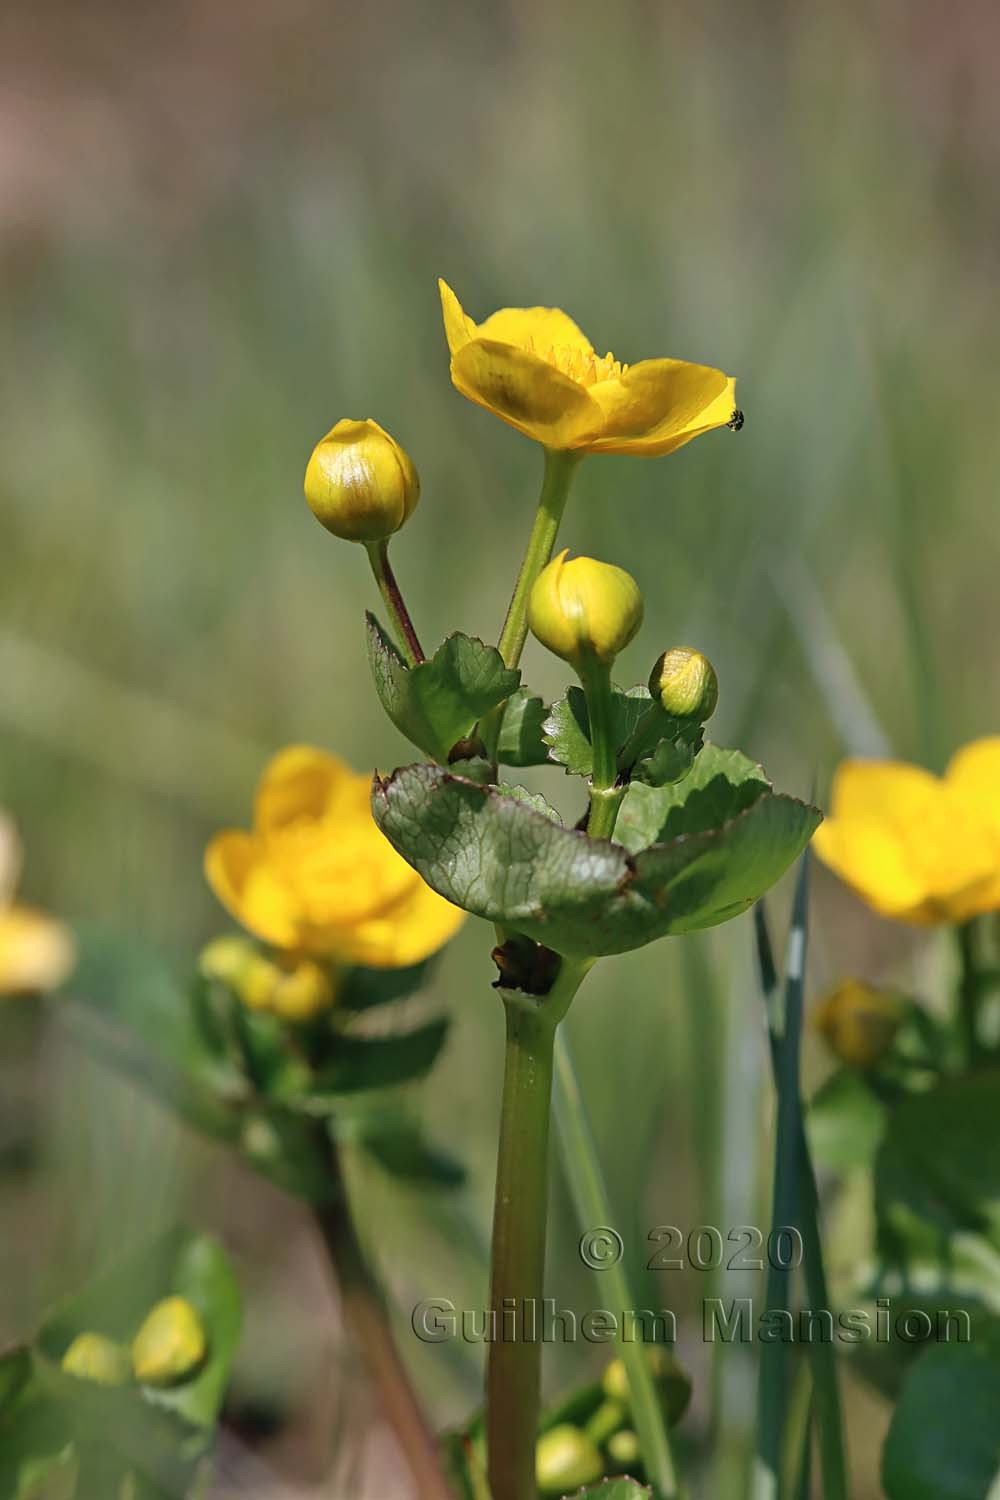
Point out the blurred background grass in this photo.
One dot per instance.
(220, 228)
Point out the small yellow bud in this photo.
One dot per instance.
(623, 1448)
(91, 1356)
(360, 483)
(685, 683)
(296, 989)
(672, 1382)
(859, 1022)
(584, 609)
(565, 1459)
(170, 1344)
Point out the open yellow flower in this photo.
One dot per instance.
(36, 951)
(918, 847)
(534, 368)
(316, 875)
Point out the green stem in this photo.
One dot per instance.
(378, 556)
(968, 992)
(366, 1320)
(593, 1207)
(560, 466)
(605, 796)
(513, 1375)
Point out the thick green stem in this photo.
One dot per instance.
(367, 1322)
(513, 1375)
(560, 466)
(378, 556)
(593, 1208)
(605, 796)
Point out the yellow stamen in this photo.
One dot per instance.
(585, 369)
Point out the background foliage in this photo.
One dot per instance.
(220, 227)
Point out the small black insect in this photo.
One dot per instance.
(736, 420)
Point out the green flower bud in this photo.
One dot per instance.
(565, 1459)
(623, 1449)
(170, 1344)
(685, 683)
(91, 1356)
(584, 610)
(859, 1023)
(360, 484)
(607, 1419)
(672, 1382)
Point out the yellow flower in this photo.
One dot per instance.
(360, 483)
(584, 608)
(918, 847)
(859, 1022)
(316, 876)
(534, 368)
(36, 952)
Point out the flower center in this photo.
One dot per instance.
(586, 369)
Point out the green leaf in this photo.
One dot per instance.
(845, 1121)
(653, 746)
(363, 988)
(720, 785)
(498, 858)
(15, 1372)
(943, 1442)
(407, 1155)
(372, 1062)
(126, 1004)
(520, 741)
(440, 701)
(613, 1489)
(940, 1160)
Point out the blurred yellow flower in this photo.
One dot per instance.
(534, 368)
(316, 876)
(918, 847)
(36, 951)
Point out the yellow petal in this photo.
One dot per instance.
(663, 396)
(874, 863)
(681, 425)
(417, 927)
(36, 952)
(303, 784)
(239, 873)
(537, 330)
(527, 392)
(973, 775)
(458, 328)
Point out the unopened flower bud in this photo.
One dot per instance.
(565, 1459)
(623, 1448)
(584, 610)
(684, 683)
(673, 1383)
(92, 1356)
(170, 1344)
(607, 1419)
(360, 483)
(859, 1022)
(295, 989)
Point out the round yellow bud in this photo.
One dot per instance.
(91, 1356)
(304, 990)
(565, 1459)
(360, 483)
(295, 989)
(584, 609)
(685, 683)
(673, 1383)
(623, 1448)
(225, 959)
(170, 1344)
(859, 1022)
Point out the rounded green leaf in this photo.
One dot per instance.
(495, 856)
